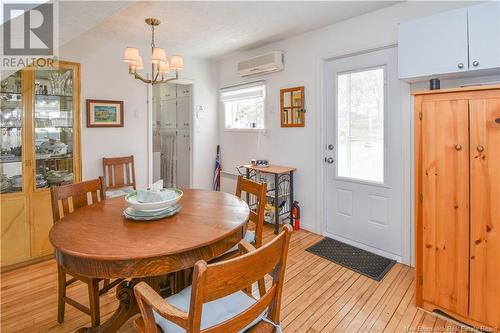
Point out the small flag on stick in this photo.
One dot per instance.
(218, 167)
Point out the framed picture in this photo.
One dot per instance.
(102, 113)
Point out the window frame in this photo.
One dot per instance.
(240, 87)
(382, 183)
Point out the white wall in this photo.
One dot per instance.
(105, 76)
(304, 54)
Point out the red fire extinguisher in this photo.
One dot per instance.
(296, 215)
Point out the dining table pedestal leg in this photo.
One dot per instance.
(128, 306)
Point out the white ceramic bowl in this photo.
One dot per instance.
(131, 200)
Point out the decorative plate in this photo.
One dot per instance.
(132, 214)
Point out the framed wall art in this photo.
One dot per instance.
(104, 113)
(292, 107)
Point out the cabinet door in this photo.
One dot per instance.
(433, 45)
(484, 35)
(485, 213)
(183, 90)
(183, 112)
(445, 204)
(168, 113)
(15, 230)
(168, 91)
(183, 152)
(41, 222)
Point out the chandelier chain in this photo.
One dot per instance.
(152, 36)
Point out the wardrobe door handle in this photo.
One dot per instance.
(458, 147)
(480, 148)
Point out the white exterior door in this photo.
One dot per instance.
(364, 160)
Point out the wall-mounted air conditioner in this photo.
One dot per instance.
(263, 64)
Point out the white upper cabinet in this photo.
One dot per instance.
(183, 112)
(183, 90)
(433, 45)
(484, 35)
(453, 42)
(168, 91)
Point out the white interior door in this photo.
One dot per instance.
(363, 154)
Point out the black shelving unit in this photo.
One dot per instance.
(279, 180)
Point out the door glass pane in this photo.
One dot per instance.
(11, 166)
(53, 127)
(360, 125)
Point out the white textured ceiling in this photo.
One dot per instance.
(212, 29)
(77, 17)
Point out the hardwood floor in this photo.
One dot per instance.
(320, 296)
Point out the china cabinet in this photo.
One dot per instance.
(40, 147)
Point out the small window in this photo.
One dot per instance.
(360, 124)
(244, 107)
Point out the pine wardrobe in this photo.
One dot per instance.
(457, 203)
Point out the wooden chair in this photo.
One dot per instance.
(65, 200)
(119, 174)
(222, 282)
(256, 215)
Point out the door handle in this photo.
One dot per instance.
(329, 160)
(480, 148)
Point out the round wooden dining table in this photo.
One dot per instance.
(97, 241)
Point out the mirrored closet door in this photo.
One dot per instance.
(172, 109)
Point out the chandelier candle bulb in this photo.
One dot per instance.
(159, 55)
(141, 64)
(176, 62)
(135, 65)
(163, 67)
(131, 55)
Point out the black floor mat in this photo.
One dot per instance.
(358, 260)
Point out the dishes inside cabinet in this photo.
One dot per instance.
(55, 177)
(41, 181)
(16, 182)
(53, 148)
(5, 184)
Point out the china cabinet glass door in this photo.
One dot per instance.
(11, 124)
(53, 127)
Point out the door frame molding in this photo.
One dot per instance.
(407, 256)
